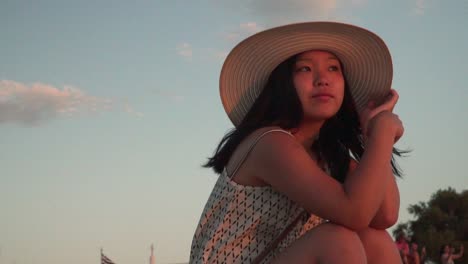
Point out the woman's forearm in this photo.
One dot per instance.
(366, 186)
(387, 214)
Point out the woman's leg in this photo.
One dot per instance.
(379, 246)
(326, 243)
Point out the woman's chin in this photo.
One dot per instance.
(320, 116)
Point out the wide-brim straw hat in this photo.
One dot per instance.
(364, 56)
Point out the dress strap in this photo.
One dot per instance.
(254, 142)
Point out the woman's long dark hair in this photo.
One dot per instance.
(278, 105)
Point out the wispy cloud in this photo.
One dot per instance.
(129, 109)
(420, 7)
(250, 27)
(275, 12)
(242, 31)
(38, 103)
(220, 55)
(280, 11)
(357, 3)
(185, 50)
(169, 95)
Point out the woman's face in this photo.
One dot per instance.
(447, 249)
(319, 83)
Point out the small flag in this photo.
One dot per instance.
(105, 260)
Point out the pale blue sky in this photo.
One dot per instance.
(108, 109)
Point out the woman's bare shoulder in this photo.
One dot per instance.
(245, 155)
(253, 139)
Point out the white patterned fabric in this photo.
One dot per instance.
(240, 222)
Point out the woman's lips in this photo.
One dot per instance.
(322, 96)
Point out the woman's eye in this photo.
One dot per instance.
(303, 69)
(333, 68)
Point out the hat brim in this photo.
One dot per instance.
(365, 58)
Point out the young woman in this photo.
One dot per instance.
(447, 254)
(403, 247)
(306, 175)
(413, 256)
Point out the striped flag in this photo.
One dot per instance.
(105, 260)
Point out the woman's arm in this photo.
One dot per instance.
(460, 254)
(443, 259)
(416, 259)
(387, 214)
(283, 163)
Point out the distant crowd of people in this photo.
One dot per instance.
(411, 254)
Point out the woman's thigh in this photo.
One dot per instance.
(326, 243)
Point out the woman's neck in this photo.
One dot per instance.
(307, 133)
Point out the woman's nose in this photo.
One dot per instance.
(321, 79)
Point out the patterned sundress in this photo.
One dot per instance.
(247, 224)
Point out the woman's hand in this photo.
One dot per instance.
(382, 116)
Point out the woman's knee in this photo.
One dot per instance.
(375, 237)
(343, 240)
(379, 246)
(345, 235)
(327, 243)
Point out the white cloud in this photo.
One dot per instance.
(420, 7)
(177, 98)
(358, 2)
(272, 13)
(129, 109)
(279, 11)
(184, 50)
(38, 103)
(220, 55)
(244, 30)
(250, 27)
(232, 36)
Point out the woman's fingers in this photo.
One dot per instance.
(372, 110)
(388, 104)
(392, 98)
